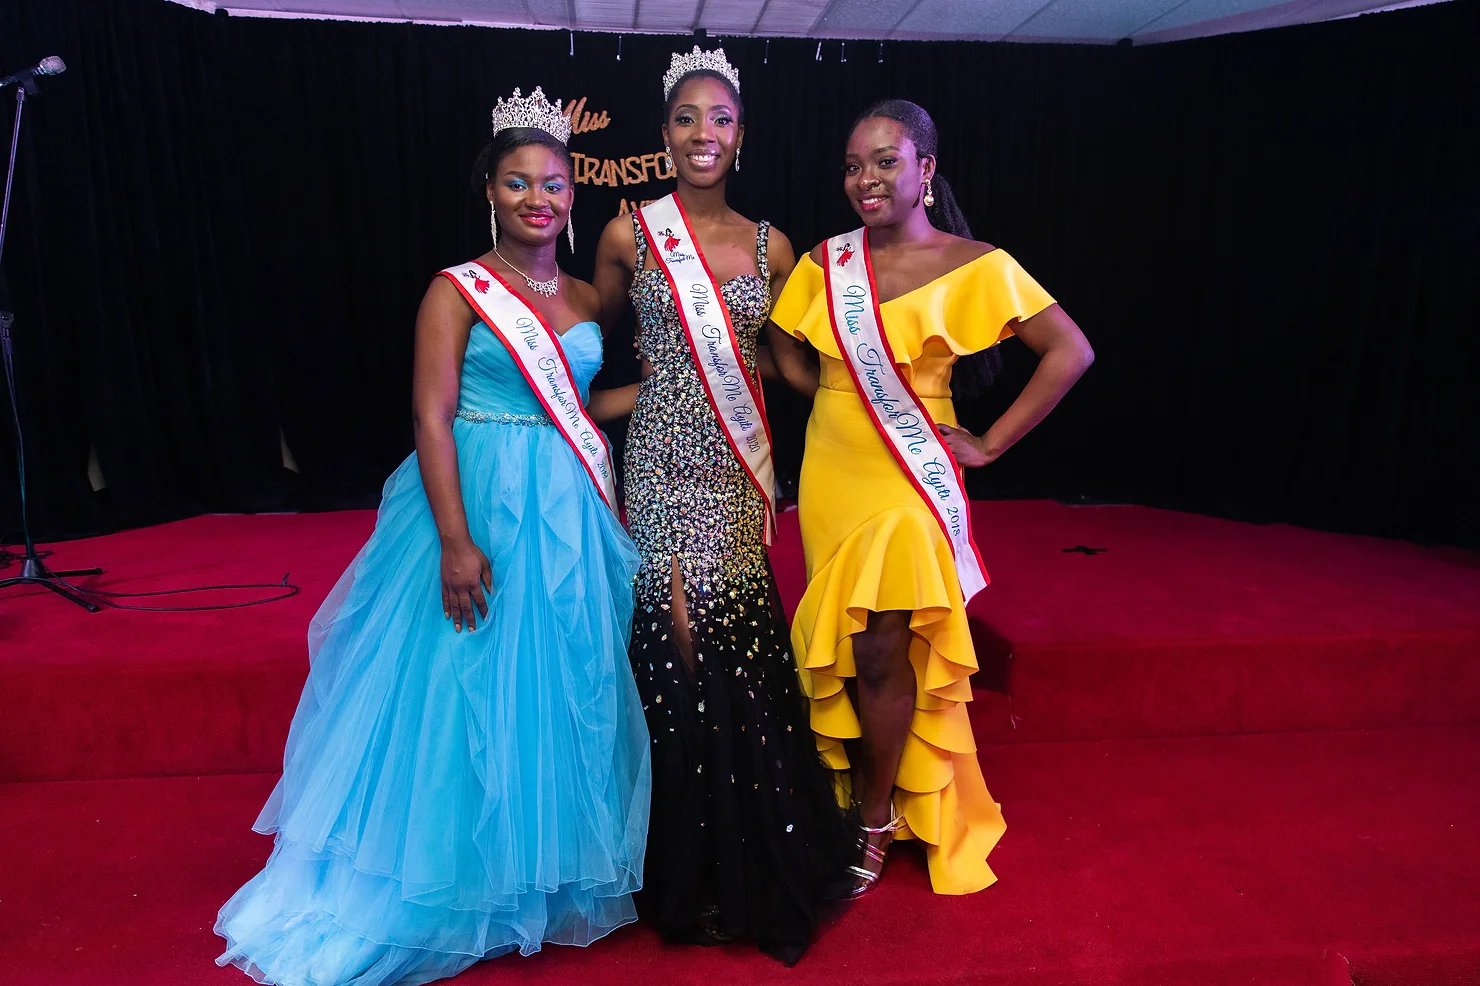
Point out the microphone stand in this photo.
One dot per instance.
(33, 572)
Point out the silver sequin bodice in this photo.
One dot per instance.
(687, 495)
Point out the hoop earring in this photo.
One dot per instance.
(570, 233)
(493, 223)
(737, 159)
(929, 194)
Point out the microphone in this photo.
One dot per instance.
(51, 65)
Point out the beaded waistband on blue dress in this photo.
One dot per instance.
(503, 418)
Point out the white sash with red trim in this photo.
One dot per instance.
(902, 421)
(733, 393)
(537, 353)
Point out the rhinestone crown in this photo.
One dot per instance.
(534, 111)
(695, 61)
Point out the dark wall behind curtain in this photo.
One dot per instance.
(223, 227)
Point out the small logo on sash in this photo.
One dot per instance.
(479, 284)
(671, 244)
(846, 255)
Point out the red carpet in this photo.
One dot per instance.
(1137, 851)
(1212, 860)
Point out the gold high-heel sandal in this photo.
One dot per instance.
(867, 878)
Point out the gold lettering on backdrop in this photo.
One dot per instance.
(630, 169)
(583, 122)
(632, 205)
(635, 169)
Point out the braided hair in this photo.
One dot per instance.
(975, 373)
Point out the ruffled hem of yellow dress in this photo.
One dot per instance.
(900, 560)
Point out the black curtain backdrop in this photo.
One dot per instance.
(223, 226)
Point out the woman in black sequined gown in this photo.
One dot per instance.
(746, 838)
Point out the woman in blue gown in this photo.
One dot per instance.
(467, 772)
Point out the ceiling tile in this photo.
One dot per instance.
(465, 11)
(860, 18)
(1092, 19)
(552, 13)
(667, 16)
(731, 16)
(953, 19)
(987, 20)
(1194, 11)
(603, 15)
(790, 18)
(1200, 18)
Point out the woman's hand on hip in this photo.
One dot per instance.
(967, 448)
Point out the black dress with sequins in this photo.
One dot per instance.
(745, 828)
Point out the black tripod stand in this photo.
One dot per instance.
(33, 572)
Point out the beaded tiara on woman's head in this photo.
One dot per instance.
(699, 61)
(534, 111)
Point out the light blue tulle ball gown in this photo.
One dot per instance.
(450, 797)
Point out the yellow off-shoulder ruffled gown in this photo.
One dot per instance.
(872, 545)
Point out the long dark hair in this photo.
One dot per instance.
(973, 374)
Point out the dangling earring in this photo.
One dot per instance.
(493, 223)
(929, 195)
(570, 232)
(737, 159)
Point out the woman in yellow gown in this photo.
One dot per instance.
(883, 648)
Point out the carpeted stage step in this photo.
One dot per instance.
(1184, 625)
(1251, 856)
(1309, 859)
(1190, 625)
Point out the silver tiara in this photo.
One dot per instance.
(534, 111)
(698, 61)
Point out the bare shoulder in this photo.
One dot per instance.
(819, 253)
(963, 251)
(443, 308)
(584, 299)
(777, 240)
(619, 226)
(781, 257)
(617, 238)
(443, 297)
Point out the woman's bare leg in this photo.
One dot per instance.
(885, 688)
(679, 603)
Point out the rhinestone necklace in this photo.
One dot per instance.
(547, 288)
